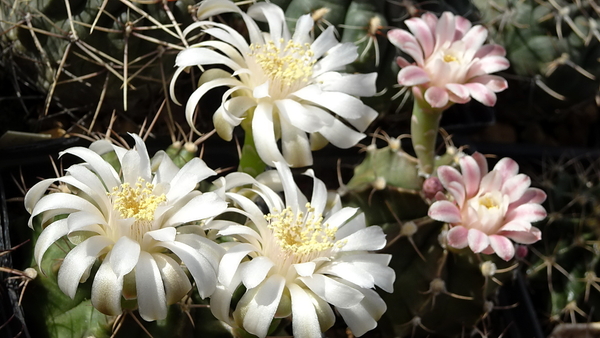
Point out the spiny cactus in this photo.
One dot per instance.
(553, 44)
(90, 57)
(563, 274)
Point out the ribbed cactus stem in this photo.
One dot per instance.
(425, 122)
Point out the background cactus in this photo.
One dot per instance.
(564, 266)
(88, 59)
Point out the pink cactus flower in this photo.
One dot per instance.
(451, 62)
(486, 209)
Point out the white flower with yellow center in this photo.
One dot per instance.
(136, 223)
(298, 259)
(286, 86)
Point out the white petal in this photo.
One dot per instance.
(106, 290)
(152, 304)
(295, 146)
(305, 322)
(324, 42)
(264, 134)
(334, 292)
(351, 84)
(274, 16)
(186, 179)
(78, 261)
(176, 282)
(201, 269)
(349, 272)
(340, 135)
(339, 218)
(370, 238)
(304, 25)
(124, 256)
(363, 317)
(255, 271)
(198, 208)
(259, 305)
(231, 260)
(298, 116)
(107, 173)
(51, 234)
(336, 58)
(305, 269)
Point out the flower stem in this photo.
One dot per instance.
(250, 162)
(425, 122)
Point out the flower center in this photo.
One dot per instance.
(292, 63)
(301, 235)
(138, 201)
(488, 201)
(449, 58)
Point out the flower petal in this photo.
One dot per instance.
(412, 76)
(445, 211)
(78, 262)
(482, 93)
(337, 294)
(259, 305)
(124, 256)
(436, 97)
(305, 322)
(152, 303)
(264, 134)
(478, 241)
(458, 237)
(502, 246)
(106, 290)
(175, 281)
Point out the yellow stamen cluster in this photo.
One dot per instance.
(292, 63)
(488, 202)
(138, 201)
(450, 58)
(300, 235)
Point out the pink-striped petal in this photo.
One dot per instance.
(492, 181)
(407, 43)
(458, 237)
(490, 50)
(516, 225)
(445, 29)
(436, 97)
(494, 83)
(478, 241)
(481, 162)
(462, 26)
(503, 247)
(516, 186)
(412, 76)
(531, 195)
(507, 167)
(529, 212)
(523, 237)
(460, 90)
(471, 175)
(445, 211)
(482, 93)
(488, 65)
(424, 35)
(402, 62)
(475, 37)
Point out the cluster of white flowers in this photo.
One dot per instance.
(147, 225)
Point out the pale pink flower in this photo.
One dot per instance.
(488, 208)
(451, 62)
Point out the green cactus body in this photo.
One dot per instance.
(553, 43)
(565, 265)
(80, 68)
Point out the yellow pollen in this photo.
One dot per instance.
(300, 235)
(449, 58)
(292, 63)
(138, 201)
(488, 202)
